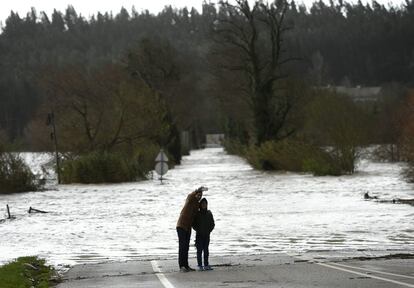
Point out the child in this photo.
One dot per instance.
(203, 225)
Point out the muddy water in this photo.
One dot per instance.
(255, 212)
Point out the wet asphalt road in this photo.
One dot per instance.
(276, 270)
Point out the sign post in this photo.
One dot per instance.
(161, 166)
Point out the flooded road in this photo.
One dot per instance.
(255, 212)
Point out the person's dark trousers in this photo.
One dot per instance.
(183, 246)
(202, 242)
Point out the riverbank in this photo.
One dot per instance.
(27, 272)
(273, 270)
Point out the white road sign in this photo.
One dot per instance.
(161, 157)
(161, 168)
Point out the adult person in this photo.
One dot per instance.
(184, 224)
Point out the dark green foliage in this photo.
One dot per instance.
(234, 147)
(27, 272)
(111, 167)
(235, 132)
(321, 164)
(100, 167)
(289, 155)
(335, 121)
(15, 175)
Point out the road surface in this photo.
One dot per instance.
(276, 270)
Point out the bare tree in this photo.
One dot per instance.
(102, 109)
(250, 44)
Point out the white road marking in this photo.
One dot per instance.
(350, 271)
(164, 281)
(366, 275)
(374, 271)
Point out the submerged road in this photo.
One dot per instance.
(255, 212)
(276, 270)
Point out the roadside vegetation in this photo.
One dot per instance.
(327, 139)
(332, 134)
(15, 175)
(27, 272)
(113, 167)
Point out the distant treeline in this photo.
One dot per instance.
(335, 43)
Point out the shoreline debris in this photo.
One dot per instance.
(33, 210)
(393, 201)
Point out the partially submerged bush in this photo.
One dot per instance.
(234, 147)
(292, 156)
(335, 121)
(106, 167)
(98, 167)
(15, 175)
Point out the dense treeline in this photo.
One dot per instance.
(35, 43)
(337, 42)
(244, 69)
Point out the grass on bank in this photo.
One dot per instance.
(27, 272)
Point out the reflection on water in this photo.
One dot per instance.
(255, 212)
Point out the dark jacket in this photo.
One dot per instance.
(188, 212)
(204, 222)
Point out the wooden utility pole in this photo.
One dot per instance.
(51, 121)
(8, 211)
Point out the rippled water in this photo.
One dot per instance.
(255, 212)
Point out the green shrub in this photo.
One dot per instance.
(106, 167)
(291, 155)
(15, 175)
(321, 165)
(99, 167)
(27, 272)
(346, 157)
(283, 155)
(234, 147)
(254, 157)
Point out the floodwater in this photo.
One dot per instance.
(255, 212)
